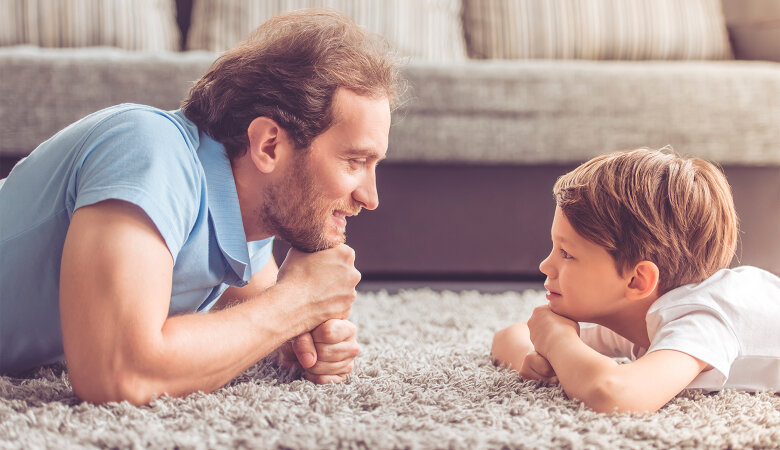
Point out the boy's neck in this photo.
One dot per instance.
(631, 321)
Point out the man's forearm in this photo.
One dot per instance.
(202, 352)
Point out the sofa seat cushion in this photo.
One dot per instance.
(542, 111)
(44, 90)
(523, 112)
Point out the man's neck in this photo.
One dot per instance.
(249, 188)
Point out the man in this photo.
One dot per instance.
(119, 229)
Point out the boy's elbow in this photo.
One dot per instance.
(610, 394)
(511, 344)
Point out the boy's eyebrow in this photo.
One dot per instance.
(559, 238)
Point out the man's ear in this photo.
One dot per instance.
(264, 138)
(644, 280)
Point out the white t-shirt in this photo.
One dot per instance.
(730, 321)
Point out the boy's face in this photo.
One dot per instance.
(582, 281)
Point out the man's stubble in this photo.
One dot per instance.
(297, 214)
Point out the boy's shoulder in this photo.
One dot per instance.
(724, 293)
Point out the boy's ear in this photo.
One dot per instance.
(644, 280)
(265, 136)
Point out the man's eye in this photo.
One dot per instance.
(358, 162)
(565, 254)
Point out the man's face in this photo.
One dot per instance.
(583, 283)
(332, 180)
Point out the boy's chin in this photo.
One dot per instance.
(567, 314)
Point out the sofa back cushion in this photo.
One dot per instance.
(595, 29)
(128, 24)
(425, 29)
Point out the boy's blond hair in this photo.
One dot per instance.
(653, 205)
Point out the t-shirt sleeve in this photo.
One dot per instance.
(605, 341)
(260, 252)
(141, 157)
(701, 333)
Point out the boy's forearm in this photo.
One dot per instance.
(583, 373)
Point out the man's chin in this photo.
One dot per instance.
(322, 244)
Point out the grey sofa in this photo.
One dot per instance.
(474, 148)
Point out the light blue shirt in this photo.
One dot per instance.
(155, 159)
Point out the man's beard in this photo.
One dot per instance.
(294, 211)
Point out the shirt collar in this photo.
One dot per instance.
(224, 209)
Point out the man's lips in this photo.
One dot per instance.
(341, 218)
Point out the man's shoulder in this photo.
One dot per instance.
(144, 123)
(141, 133)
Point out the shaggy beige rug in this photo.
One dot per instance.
(424, 380)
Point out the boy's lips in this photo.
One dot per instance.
(551, 294)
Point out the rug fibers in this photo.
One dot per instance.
(424, 379)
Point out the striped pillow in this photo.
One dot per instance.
(596, 29)
(128, 24)
(426, 29)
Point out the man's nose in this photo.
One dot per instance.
(366, 194)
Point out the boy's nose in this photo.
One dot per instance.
(545, 267)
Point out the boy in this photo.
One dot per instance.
(641, 244)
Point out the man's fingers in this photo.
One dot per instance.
(325, 379)
(304, 349)
(334, 331)
(337, 352)
(331, 368)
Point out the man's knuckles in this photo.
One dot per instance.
(338, 352)
(355, 278)
(334, 331)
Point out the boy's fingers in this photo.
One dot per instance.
(540, 365)
(304, 349)
(527, 372)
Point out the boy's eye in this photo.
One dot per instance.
(565, 254)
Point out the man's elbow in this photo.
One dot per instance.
(103, 386)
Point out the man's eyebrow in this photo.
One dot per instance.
(366, 152)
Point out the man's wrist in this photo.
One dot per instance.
(293, 305)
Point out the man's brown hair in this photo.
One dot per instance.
(288, 70)
(653, 205)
